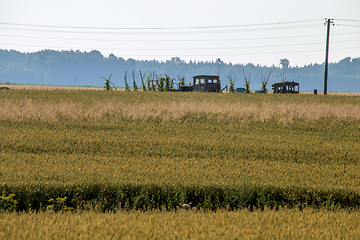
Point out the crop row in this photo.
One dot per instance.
(202, 157)
(148, 197)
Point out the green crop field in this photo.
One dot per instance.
(123, 152)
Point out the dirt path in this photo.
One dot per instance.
(41, 87)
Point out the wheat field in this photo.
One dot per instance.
(297, 156)
(183, 224)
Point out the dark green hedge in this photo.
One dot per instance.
(127, 197)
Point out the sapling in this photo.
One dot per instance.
(161, 84)
(247, 82)
(135, 87)
(167, 82)
(127, 88)
(232, 83)
(154, 80)
(108, 84)
(143, 86)
(148, 83)
(181, 80)
(264, 83)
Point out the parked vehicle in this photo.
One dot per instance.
(286, 87)
(202, 83)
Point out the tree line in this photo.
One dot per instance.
(78, 68)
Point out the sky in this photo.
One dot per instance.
(254, 31)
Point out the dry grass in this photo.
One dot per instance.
(268, 224)
(11, 109)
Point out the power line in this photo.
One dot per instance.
(208, 48)
(175, 40)
(183, 30)
(166, 33)
(348, 20)
(158, 28)
(348, 25)
(298, 51)
(165, 40)
(198, 49)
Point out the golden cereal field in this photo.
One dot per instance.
(123, 164)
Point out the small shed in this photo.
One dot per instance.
(286, 87)
(206, 83)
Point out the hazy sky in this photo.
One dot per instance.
(257, 31)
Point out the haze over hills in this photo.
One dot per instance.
(51, 67)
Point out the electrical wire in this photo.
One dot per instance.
(209, 48)
(348, 20)
(166, 33)
(165, 40)
(176, 40)
(348, 25)
(157, 28)
(189, 30)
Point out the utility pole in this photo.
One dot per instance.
(328, 22)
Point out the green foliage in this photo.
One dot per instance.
(135, 87)
(181, 79)
(108, 84)
(247, 82)
(232, 83)
(127, 87)
(143, 85)
(59, 204)
(264, 83)
(167, 83)
(8, 202)
(147, 197)
(34, 68)
(160, 83)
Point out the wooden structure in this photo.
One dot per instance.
(286, 87)
(206, 83)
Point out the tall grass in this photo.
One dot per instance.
(284, 112)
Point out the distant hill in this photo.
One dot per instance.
(51, 67)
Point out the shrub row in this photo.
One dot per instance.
(127, 197)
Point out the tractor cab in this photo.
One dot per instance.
(286, 87)
(206, 83)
